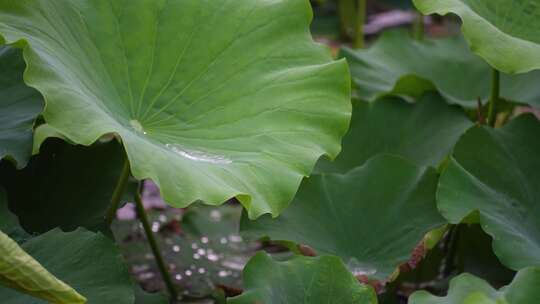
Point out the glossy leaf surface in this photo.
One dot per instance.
(506, 33)
(19, 107)
(468, 289)
(398, 64)
(497, 172)
(372, 217)
(423, 132)
(244, 111)
(301, 280)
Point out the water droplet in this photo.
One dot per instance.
(235, 238)
(223, 240)
(202, 270)
(215, 215)
(137, 126)
(176, 248)
(201, 251)
(194, 246)
(162, 218)
(178, 277)
(140, 268)
(196, 256)
(204, 240)
(189, 273)
(233, 265)
(198, 155)
(223, 273)
(212, 257)
(155, 226)
(146, 275)
(358, 268)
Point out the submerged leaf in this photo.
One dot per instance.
(244, 111)
(497, 172)
(372, 217)
(19, 107)
(301, 280)
(506, 33)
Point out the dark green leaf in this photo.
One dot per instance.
(398, 64)
(301, 280)
(468, 289)
(64, 186)
(372, 217)
(497, 172)
(19, 107)
(423, 132)
(87, 261)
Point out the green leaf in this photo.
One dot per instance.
(423, 132)
(497, 172)
(19, 107)
(372, 217)
(20, 271)
(71, 186)
(503, 32)
(397, 64)
(87, 261)
(301, 280)
(468, 289)
(212, 99)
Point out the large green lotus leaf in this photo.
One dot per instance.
(506, 33)
(212, 99)
(19, 107)
(398, 64)
(301, 280)
(468, 289)
(423, 132)
(372, 217)
(71, 186)
(497, 172)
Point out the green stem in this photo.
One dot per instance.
(359, 40)
(118, 192)
(343, 21)
(419, 27)
(495, 93)
(153, 245)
